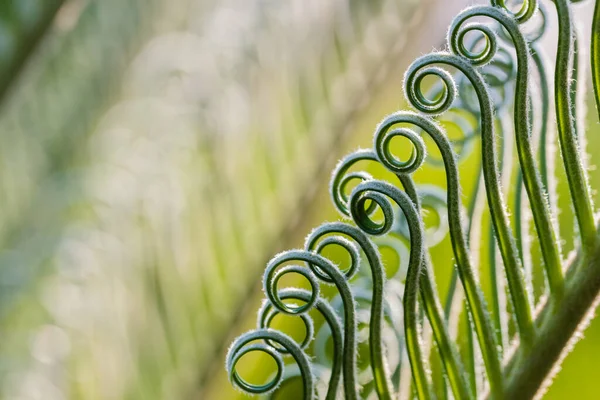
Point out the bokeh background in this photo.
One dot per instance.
(154, 154)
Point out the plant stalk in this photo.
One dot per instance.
(569, 146)
(558, 330)
(595, 54)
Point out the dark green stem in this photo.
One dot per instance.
(473, 292)
(529, 170)
(571, 152)
(379, 366)
(530, 369)
(318, 265)
(266, 313)
(506, 242)
(595, 54)
(378, 192)
(546, 159)
(448, 352)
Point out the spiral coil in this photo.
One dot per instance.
(491, 71)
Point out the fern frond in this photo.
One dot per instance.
(468, 87)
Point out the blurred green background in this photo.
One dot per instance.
(156, 153)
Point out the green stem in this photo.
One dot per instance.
(575, 76)
(595, 54)
(379, 366)
(529, 170)
(526, 11)
(470, 349)
(522, 224)
(559, 326)
(378, 192)
(496, 279)
(481, 318)
(545, 155)
(504, 236)
(475, 198)
(243, 345)
(433, 308)
(496, 312)
(328, 313)
(569, 146)
(317, 266)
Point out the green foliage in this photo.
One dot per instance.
(22, 24)
(469, 94)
